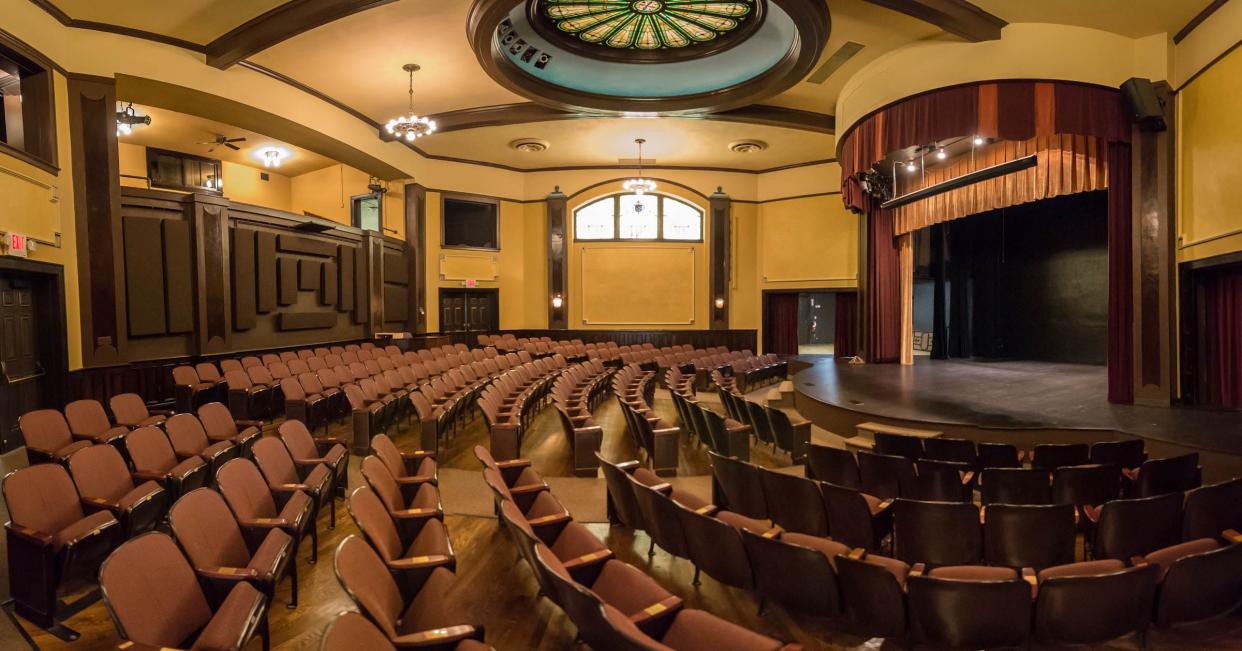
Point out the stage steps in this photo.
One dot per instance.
(865, 439)
(781, 397)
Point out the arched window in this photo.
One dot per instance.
(649, 217)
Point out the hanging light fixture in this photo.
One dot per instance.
(127, 119)
(271, 158)
(411, 126)
(639, 186)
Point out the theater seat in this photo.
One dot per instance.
(1090, 603)
(873, 591)
(353, 631)
(53, 546)
(220, 425)
(130, 410)
(795, 571)
(832, 465)
(624, 587)
(212, 540)
(965, 613)
(307, 451)
(1200, 579)
(89, 422)
(577, 549)
(435, 615)
(255, 507)
(621, 505)
(154, 460)
(738, 487)
(542, 511)
(47, 437)
(410, 558)
(155, 600)
(189, 439)
(409, 514)
(283, 476)
(104, 483)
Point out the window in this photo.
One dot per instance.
(174, 170)
(652, 217)
(366, 211)
(469, 223)
(27, 123)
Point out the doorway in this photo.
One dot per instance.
(1211, 331)
(367, 212)
(807, 322)
(469, 310)
(33, 357)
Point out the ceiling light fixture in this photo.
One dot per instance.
(271, 156)
(127, 119)
(411, 126)
(639, 186)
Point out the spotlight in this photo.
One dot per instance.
(978, 140)
(940, 154)
(911, 167)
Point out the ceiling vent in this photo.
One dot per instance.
(747, 146)
(532, 145)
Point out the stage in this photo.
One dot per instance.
(1016, 401)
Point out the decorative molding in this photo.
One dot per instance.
(466, 266)
(630, 248)
(1198, 20)
(957, 17)
(68, 21)
(279, 24)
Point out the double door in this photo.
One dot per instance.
(469, 310)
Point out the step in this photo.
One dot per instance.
(781, 397)
(870, 428)
(859, 443)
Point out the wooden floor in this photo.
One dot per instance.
(502, 590)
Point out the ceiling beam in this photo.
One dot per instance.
(957, 17)
(1198, 20)
(279, 24)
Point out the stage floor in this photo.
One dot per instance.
(1009, 395)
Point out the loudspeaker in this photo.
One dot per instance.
(1144, 104)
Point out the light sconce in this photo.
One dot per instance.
(557, 302)
(941, 154)
(978, 141)
(127, 120)
(720, 303)
(911, 167)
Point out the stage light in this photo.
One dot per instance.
(978, 140)
(940, 154)
(911, 167)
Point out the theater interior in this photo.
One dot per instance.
(629, 325)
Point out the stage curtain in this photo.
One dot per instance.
(884, 285)
(845, 337)
(1065, 164)
(1120, 276)
(783, 324)
(1222, 304)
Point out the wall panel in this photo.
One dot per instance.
(637, 285)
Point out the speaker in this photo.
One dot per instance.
(1144, 104)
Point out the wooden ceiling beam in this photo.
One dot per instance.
(957, 17)
(279, 24)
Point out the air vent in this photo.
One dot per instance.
(747, 146)
(532, 145)
(838, 59)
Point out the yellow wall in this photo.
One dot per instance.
(326, 193)
(1210, 219)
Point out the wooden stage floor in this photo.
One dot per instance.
(1014, 395)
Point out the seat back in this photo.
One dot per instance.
(741, 486)
(100, 472)
(152, 593)
(798, 578)
(969, 614)
(367, 581)
(941, 480)
(1015, 486)
(716, 548)
(87, 417)
(937, 533)
(997, 455)
(274, 460)
(660, 519)
(149, 450)
(372, 518)
(205, 528)
(382, 482)
(186, 433)
(1123, 454)
(244, 488)
(624, 504)
(1056, 455)
(42, 497)
(1168, 475)
(786, 438)
(354, 631)
(217, 421)
(1136, 527)
(849, 517)
(794, 503)
(585, 609)
(128, 408)
(832, 465)
(1211, 509)
(387, 452)
(886, 476)
(899, 445)
(1083, 485)
(1095, 608)
(298, 439)
(45, 429)
(1029, 536)
(874, 599)
(1200, 586)
(185, 375)
(949, 449)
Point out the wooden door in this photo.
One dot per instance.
(453, 311)
(20, 365)
(469, 310)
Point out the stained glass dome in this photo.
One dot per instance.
(647, 24)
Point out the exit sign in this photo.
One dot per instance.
(471, 282)
(18, 245)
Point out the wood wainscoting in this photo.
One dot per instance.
(733, 339)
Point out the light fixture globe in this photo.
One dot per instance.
(411, 126)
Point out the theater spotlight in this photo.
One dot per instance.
(978, 141)
(911, 167)
(940, 154)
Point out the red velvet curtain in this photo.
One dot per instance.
(884, 286)
(1120, 276)
(782, 324)
(845, 337)
(1222, 302)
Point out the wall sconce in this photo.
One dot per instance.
(719, 303)
(557, 302)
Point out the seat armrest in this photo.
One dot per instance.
(709, 510)
(1138, 561)
(97, 530)
(1231, 535)
(418, 562)
(150, 475)
(664, 607)
(629, 466)
(528, 488)
(586, 559)
(263, 524)
(409, 514)
(30, 535)
(917, 569)
(664, 488)
(513, 463)
(415, 455)
(289, 488)
(93, 504)
(229, 573)
(554, 518)
(857, 553)
(435, 637)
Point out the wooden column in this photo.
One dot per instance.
(416, 256)
(905, 257)
(373, 252)
(1153, 161)
(208, 216)
(97, 216)
(558, 265)
(721, 263)
(864, 288)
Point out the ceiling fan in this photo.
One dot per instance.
(222, 140)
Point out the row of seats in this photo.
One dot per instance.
(513, 398)
(614, 605)
(634, 388)
(575, 394)
(746, 374)
(952, 602)
(731, 434)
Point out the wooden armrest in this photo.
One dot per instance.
(917, 569)
(629, 466)
(229, 573)
(549, 519)
(413, 513)
(436, 636)
(709, 509)
(151, 475)
(416, 562)
(655, 609)
(1028, 575)
(773, 532)
(662, 488)
(588, 558)
(528, 488)
(857, 553)
(265, 523)
(30, 535)
(292, 487)
(1138, 561)
(967, 476)
(1231, 535)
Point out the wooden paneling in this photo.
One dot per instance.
(733, 339)
(396, 269)
(305, 320)
(395, 307)
(245, 312)
(558, 264)
(144, 282)
(265, 271)
(328, 284)
(211, 220)
(345, 295)
(305, 245)
(179, 273)
(308, 275)
(288, 281)
(361, 286)
(416, 255)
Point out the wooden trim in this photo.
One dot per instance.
(735, 339)
(956, 17)
(471, 198)
(416, 254)
(1198, 20)
(38, 102)
(279, 24)
(557, 212)
(528, 112)
(720, 263)
(1217, 59)
(68, 21)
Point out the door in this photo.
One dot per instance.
(469, 310)
(20, 368)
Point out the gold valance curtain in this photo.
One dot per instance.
(1065, 164)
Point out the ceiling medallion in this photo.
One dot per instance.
(747, 146)
(410, 126)
(531, 145)
(646, 24)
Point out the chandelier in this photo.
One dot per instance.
(411, 126)
(639, 186)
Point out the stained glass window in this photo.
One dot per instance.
(646, 24)
(631, 217)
